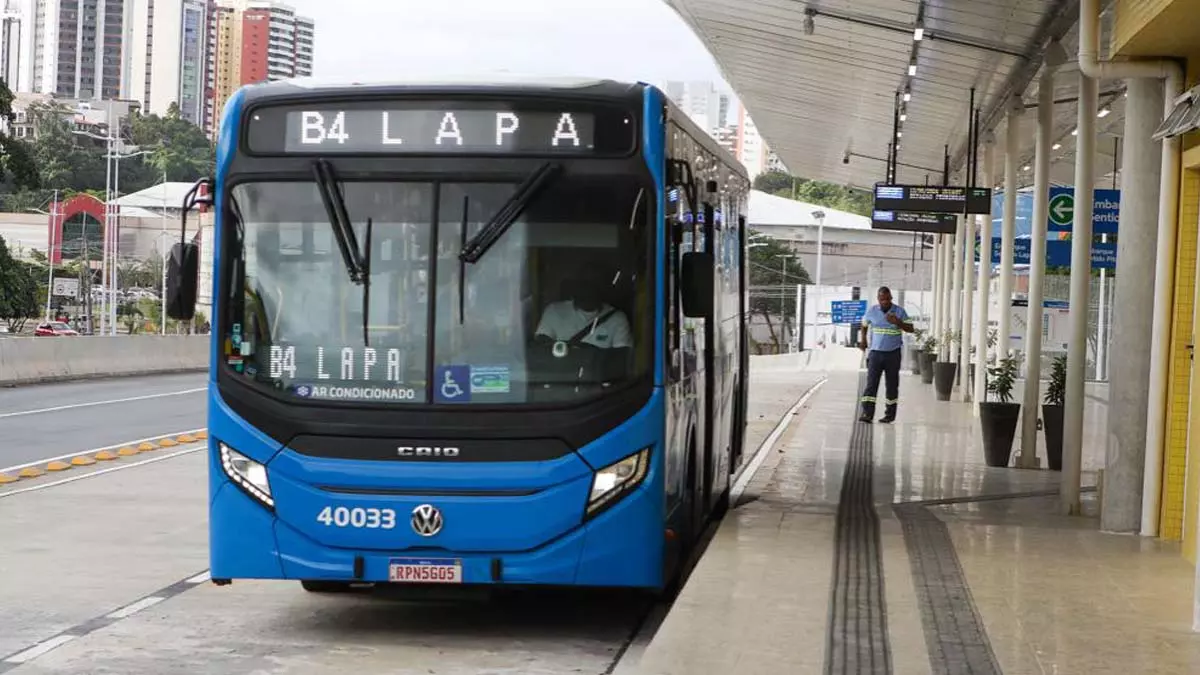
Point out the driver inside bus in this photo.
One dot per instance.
(585, 314)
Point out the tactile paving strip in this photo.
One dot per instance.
(954, 632)
(857, 633)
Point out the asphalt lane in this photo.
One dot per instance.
(97, 578)
(48, 420)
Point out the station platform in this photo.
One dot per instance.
(878, 548)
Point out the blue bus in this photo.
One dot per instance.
(469, 333)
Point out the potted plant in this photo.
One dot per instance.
(998, 417)
(917, 352)
(991, 342)
(944, 371)
(928, 356)
(1052, 411)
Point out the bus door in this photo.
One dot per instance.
(684, 424)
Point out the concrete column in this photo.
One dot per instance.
(1081, 269)
(984, 278)
(1133, 310)
(1008, 232)
(956, 276)
(964, 349)
(1031, 406)
(947, 296)
(939, 267)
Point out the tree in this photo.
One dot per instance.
(773, 182)
(817, 192)
(65, 160)
(15, 161)
(18, 289)
(178, 148)
(774, 275)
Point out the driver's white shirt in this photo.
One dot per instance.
(562, 320)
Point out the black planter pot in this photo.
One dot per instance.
(971, 377)
(998, 421)
(1052, 417)
(943, 379)
(916, 355)
(927, 361)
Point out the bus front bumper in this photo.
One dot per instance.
(623, 546)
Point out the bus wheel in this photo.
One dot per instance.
(325, 586)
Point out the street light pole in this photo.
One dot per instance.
(54, 212)
(162, 291)
(116, 245)
(104, 283)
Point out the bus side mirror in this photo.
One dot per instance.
(182, 279)
(696, 284)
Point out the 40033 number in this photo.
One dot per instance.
(371, 519)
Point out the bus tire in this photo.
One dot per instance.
(325, 586)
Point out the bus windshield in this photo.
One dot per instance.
(559, 309)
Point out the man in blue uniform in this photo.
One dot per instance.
(887, 323)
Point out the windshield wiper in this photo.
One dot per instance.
(358, 261)
(339, 221)
(365, 261)
(507, 214)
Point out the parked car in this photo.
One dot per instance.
(54, 329)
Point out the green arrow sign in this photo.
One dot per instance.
(1062, 209)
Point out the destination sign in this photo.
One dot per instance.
(933, 199)
(938, 223)
(425, 127)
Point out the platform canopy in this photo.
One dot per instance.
(821, 79)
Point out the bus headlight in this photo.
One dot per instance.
(617, 479)
(248, 474)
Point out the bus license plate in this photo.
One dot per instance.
(425, 571)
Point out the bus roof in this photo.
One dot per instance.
(309, 86)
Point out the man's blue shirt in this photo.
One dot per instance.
(885, 337)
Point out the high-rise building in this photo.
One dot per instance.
(701, 101)
(73, 48)
(169, 56)
(11, 19)
(752, 149)
(256, 41)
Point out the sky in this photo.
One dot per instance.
(621, 39)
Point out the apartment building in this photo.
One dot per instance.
(73, 48)
(159, 53)
(11, 19)
(256, 41)
(169, 57)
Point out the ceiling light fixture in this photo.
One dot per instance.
(918, 34)
(1104, 112)
(912, 69)
(1056, 146)
(907, 96)
(903, 117)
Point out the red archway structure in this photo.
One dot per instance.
(82, 219)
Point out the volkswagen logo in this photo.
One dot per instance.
(426, 520)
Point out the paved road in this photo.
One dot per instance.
(48, 420)
(99, 575)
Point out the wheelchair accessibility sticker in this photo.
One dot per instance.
(452, 384)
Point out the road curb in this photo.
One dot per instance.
(91, 457)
